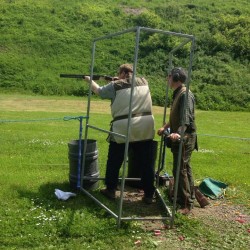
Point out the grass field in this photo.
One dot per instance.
(34, 161)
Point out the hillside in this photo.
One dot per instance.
(43, 38)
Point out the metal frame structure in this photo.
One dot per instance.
(137, 30)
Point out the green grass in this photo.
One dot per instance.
(223, 144)
(34, 161)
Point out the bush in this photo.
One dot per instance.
(38, 42)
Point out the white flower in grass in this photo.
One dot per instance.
(206, 151)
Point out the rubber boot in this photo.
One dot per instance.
(202, 200)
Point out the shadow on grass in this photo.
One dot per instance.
(45, 195)
(133, 205)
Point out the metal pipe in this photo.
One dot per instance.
(99, 203)
(166, 32)
(102, 178)
(115, 34)
(145, 218)
(88, 111)
(79, 155)
(137, 40)
(182, 129)
(163, 202)
(181, 45)
(106, 131)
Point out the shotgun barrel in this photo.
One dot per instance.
(94, 77)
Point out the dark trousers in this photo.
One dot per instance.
(185, 195)
(144, 151)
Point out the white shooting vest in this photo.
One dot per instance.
(142, 120)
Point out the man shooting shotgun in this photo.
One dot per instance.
(141, 133)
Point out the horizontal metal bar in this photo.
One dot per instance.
(145, 218)
(114, 34)
(102, 178)
(106, 131)
(167, 32)
(144, 29)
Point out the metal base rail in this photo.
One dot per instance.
(116, 216)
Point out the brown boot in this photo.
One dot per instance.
(184, 211)
(202, 200)
(109, 193)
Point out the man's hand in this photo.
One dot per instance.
(174, 136)
(115, 78)
(160, 131)
(94, 86)
(87, 78)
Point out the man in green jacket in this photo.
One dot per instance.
(176, 80)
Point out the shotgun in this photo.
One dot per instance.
(94, 77)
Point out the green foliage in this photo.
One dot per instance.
(231, 36)
(147, 19)
(223, 88)
(41, 39)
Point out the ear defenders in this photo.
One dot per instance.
(176, 74)
(179, 74)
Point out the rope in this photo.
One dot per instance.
(66, 118)
(38, 120)
(229, 137)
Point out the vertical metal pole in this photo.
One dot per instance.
(128, 126)
(162, 150)
(88, 111)
(183, 115)
(165, 107)
(191, 62)
(79, 154)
